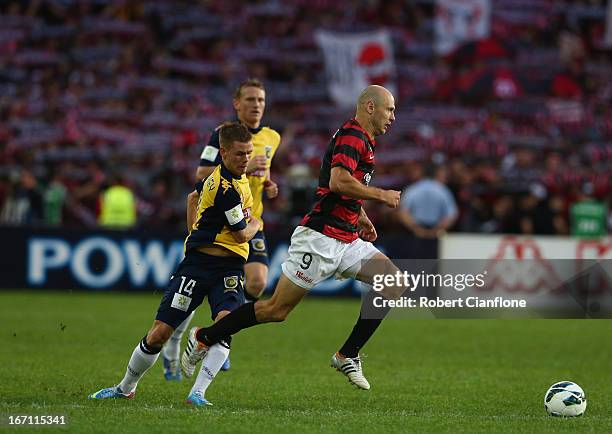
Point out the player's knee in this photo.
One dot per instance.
(159, 334)
(255, 286)
(392, 292)
(390, 267)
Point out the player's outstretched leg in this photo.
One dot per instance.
(347, 360)
(143, 357)
(286, 296)
(171, 351)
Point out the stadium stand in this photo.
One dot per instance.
(522, 119)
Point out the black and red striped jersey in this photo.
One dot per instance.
(337, 215)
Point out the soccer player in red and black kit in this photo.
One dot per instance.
(335, 238)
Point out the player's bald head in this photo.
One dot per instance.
(374, 93)
(375, 109)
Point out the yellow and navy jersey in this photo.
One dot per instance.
(265, 142)
(224, 206)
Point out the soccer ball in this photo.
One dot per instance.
(565, 399)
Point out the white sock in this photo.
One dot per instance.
(173, 347)
(211, 365)
(138, 365)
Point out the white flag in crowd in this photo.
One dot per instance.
(459, 21)
(354, 61)
(608, 37)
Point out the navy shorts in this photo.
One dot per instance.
(258, 249)
(199, 275)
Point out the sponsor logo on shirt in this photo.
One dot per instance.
(181, 302)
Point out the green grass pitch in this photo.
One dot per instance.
(427, 375)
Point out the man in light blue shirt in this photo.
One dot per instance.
(427, 207)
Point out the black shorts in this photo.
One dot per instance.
(197, 276)
(258, 249)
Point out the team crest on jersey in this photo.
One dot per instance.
(225, 185)
(258, 244)
(230, 283)
(268, 152)
(367, 178)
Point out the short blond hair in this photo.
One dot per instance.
(249, 82)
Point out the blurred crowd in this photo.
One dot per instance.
(99, 92)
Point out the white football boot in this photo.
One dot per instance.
(194, 352)
(352, 369)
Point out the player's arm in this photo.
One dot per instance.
(270, 187)
(241, 230)
(192, 204)
(257, 163)
(363, 216)
(210, 157)
(192, 208)
(367, 231)
(245, 235)
(348, 151)
(342, 182)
